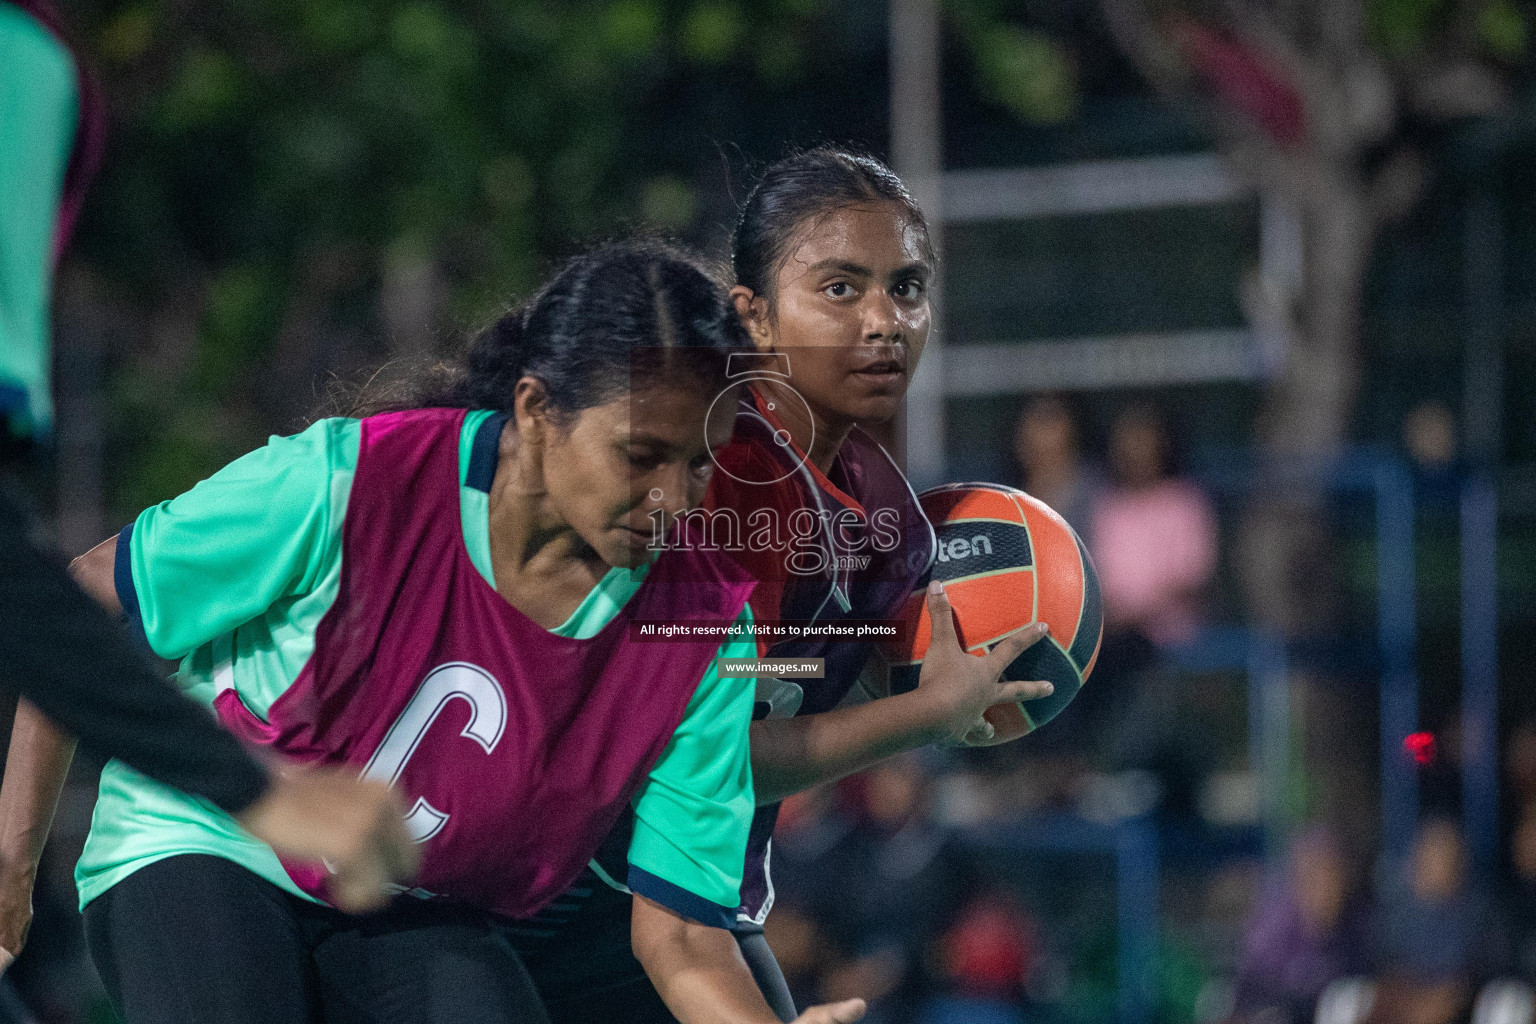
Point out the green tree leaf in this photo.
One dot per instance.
(1027, 72)
(711, 32)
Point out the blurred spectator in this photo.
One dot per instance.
(807, 844)
(1520, 906)
(1434, 933)
(1429, 435)
(1305, 933)
(800, 944)
(1154, 535)
(899, 883)
(1045, 449)
(985, 960)
(1520, 765)
(1429, 438)
(812, 828)
(1154, 543)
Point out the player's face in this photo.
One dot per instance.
(851, 311)
(620, 468)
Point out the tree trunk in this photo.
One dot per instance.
(1286, 550)
(1305, 416)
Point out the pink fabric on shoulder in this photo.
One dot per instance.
(1155, 549)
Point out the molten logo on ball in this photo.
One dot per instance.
(960, 548)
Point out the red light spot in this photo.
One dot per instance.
(1421, 747)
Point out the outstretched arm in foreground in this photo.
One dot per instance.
(80, 677)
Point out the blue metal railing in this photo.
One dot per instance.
(1480, 668)
(1387, 479)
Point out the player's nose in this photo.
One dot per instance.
(673, 491)
(882, 320)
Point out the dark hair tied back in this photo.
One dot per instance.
(621, 317)
(798, 188)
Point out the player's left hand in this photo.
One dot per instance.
(960, 686)
(355, 826)
(983, 734)
(15, 910)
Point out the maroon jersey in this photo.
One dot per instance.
(516, 749)
(870, 546)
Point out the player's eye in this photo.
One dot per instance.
(911, 289)
(644, 461)
(838, 290)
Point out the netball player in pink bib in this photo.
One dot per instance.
(832, 262)
(441, 596)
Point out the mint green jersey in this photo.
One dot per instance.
(233, 578)
(39, 106)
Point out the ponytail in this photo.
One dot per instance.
(617, 318)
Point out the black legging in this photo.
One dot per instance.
(197, 939)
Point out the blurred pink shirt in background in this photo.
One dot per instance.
(1155, 550)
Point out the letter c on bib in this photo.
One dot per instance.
(457, 680)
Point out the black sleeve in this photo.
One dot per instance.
(61, 651)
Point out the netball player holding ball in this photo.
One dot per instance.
(832, 261)
(439, 596)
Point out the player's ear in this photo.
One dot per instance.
(530, 408)
(753, 310)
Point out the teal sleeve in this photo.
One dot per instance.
(264, 528)
(39, 106)
(694, 812)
